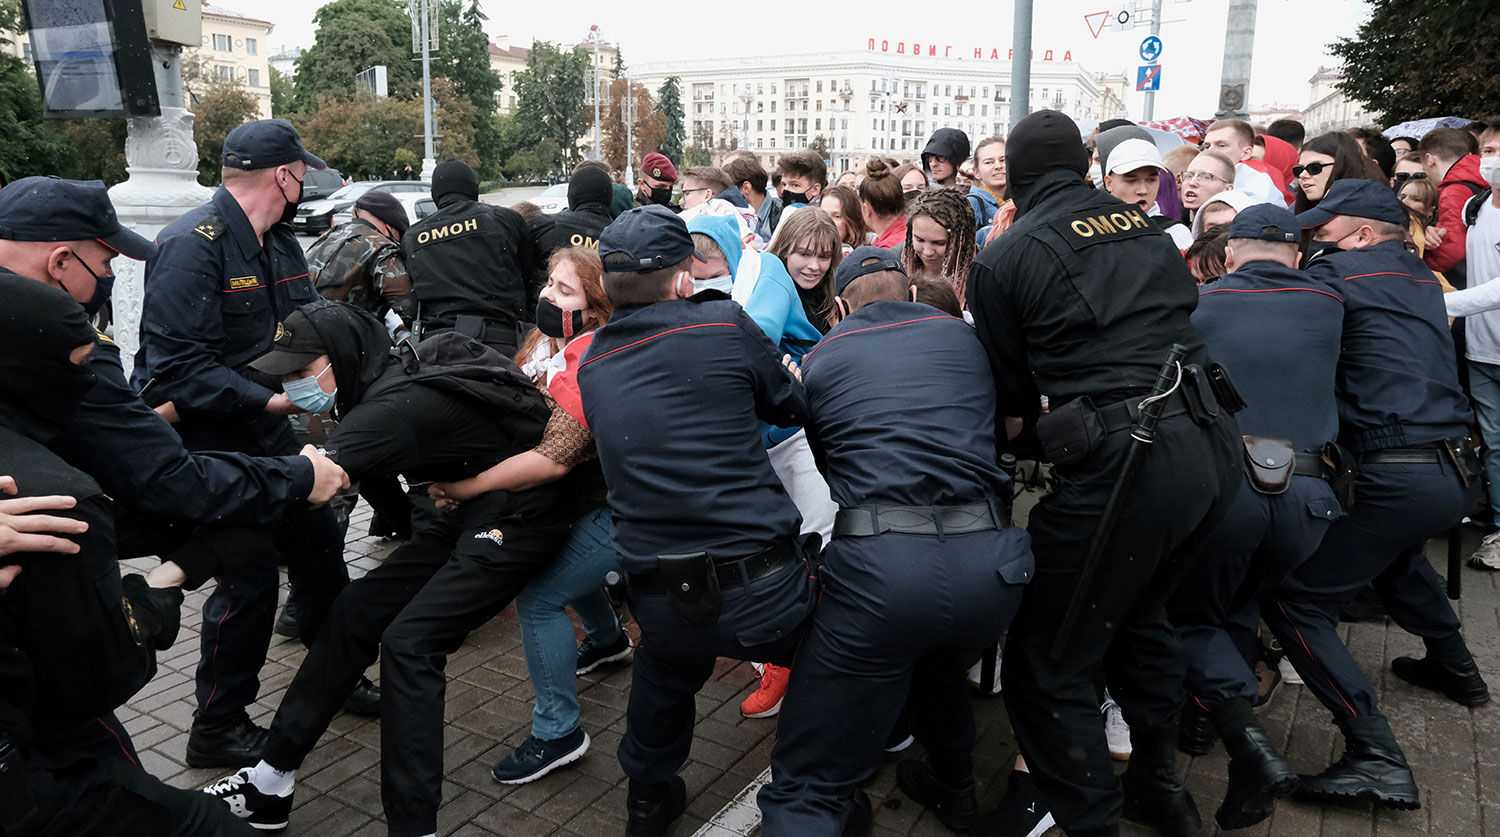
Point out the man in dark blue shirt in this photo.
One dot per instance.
(224, 278)
(1277, 332)
(1402, 413)
(923, 573)
(672, 390)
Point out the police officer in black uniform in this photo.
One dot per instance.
(474, 267)
(589, 193)
(923, 573)
(1080, 301)
(1277, 331)
(672, 390)
(448, 415)
(225, 276)
(76, 640)
(1402, 413)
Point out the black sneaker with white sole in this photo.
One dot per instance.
(591, 656)
(261, 811)
(536, 758)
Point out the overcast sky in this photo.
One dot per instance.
(1292, 36)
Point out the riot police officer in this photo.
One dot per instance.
(1080, 301)
(1278, 332)
(589, 194)
(672, 389)
(474, 266)
(1402, 413)
(225, 275)
(923, 572)
(361, 263)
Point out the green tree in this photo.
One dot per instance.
(352, 36)
(283, 93)
(647, 126)
(465, 58)
(819, 146)
(29, 144)
(1421, 58)
(697, 155)
(550, 96)
(98, 149)
(218, 105)
(669, 105)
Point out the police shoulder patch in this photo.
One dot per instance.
(1104, 224)
(210, 227)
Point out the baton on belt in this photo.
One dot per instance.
(1143, 432)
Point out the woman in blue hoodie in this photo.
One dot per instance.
(987, 196)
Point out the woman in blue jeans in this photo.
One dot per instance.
(572, 305)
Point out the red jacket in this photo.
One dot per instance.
(1452, 195)
(1280, 158)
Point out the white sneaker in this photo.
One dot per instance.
(1116, 731)
(976, 676)
(1288, 672)
(1487, 556)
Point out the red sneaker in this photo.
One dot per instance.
(766, 701)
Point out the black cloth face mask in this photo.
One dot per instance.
(290, 211)
(556, 322)
(40, 386)
(789, 197)
(660, 197)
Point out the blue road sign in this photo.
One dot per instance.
(1150, 49)
(1148, 78)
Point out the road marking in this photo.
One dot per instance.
(741, 817)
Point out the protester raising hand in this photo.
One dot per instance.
(22, 531)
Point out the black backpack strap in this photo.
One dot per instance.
(1475, 203)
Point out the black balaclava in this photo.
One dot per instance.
(40, 388)
(454, 177)
(358, 347)
(589, 185)
(1043, 142)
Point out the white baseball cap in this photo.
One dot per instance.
(1133, 154)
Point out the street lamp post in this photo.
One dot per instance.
(890, 113)
(745, 98)
(629, 126)
(595, 38)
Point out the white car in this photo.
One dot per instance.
(554, 200)
(417, 207)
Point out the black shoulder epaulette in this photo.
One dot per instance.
(210, 227)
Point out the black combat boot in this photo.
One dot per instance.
(1372, 769)
(652, 808)
(1258, 776)
(1448, 668)
(861, 816)
(1195, 732)
(956, 804)
(1154, 794)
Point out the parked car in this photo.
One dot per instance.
(417, 206)
(314, 217)
(317, 185)
(553, 200)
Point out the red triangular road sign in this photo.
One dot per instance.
(1095, 27)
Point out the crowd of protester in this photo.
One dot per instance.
(782, 412)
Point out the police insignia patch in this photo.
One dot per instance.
(656, 172)
(1101, 225)
(240, 283)
(494, 535)
(280, 333)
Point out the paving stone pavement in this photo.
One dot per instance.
(1454, 751)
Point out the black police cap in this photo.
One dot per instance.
(266, 144)
(862, 262)
(53, 209)
(1266, 222)
(644, 239)
(297, 344)
(1356, 199)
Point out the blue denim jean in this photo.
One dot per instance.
(575, 577)
(1484, 392)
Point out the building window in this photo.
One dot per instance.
(254, 78)
(757, 142)
(817, 124)
(984, 110)
(820, 85)
(251, 47)
(947, 90)
(773, 142)
(224, 71)
(773, 107)
(773, 124)
(760, 124)
(760, 89)
(222, 44)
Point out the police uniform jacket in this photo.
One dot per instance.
(570, 228)
(1277, 332)
(1083, 295)
(903, 409)
(355, 263)
(1397, 377)
(215, 295)
(473, 258)
(141, 462)
(672, 392)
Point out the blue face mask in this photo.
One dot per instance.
(308, 394)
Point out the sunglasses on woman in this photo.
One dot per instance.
(1403, 176)
(1313, 169)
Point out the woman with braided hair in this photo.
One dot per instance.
(940, 239)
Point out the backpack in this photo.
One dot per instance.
(1476, 203)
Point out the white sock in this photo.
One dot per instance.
(270, 781)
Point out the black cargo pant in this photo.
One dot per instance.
(760, 621)
(457, 571)
(1216, 609)
(899, 615)
(1184, 487)
(1396, 509)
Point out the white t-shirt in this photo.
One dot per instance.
(1482, 331)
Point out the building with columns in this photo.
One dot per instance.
(1329, 109)
(870, 102)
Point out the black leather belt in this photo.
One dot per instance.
(1405, 456)
(732, 572)
(1310, 465)
(1121, 415)
(868, 521)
